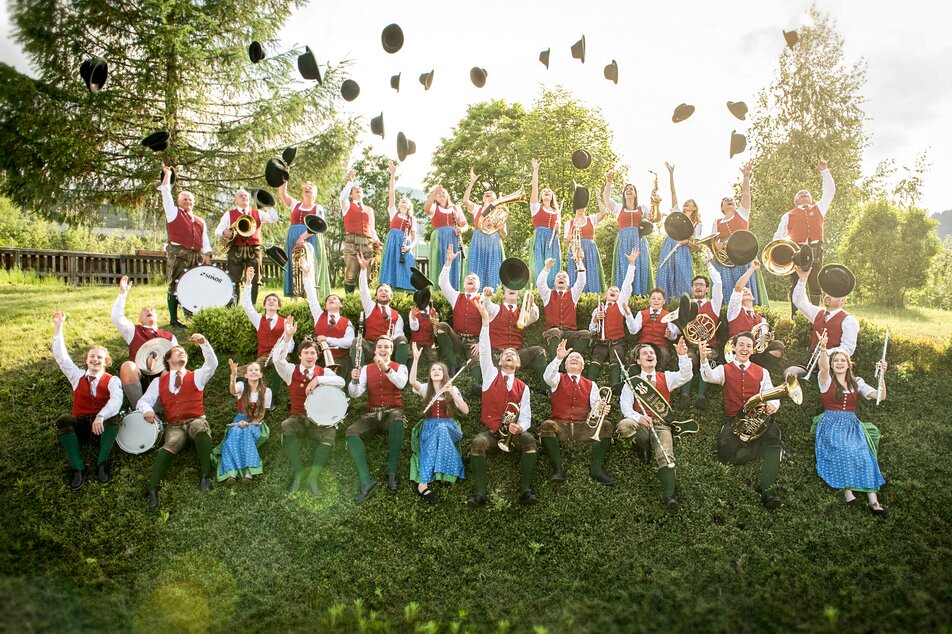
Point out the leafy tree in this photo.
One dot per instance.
(890, 250)
(179, 66)
(812, 110)
(937, 293)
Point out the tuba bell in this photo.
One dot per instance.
(781, 257)
(299, 255)
(245, 227)
(511, 413)
(497, 212)
(751, 423)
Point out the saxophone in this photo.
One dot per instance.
(654, 213)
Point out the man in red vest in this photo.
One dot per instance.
(742, 318)
(558, 305)
(573, 398)
(360, 234)
(638, 420)
(380, 319)
(135, 382)
(460, 341)
(804, 225)
(97, 397)
(188, 239)
(711, 308)
(301, 380)
(330, 326)
(384, 381)
(182, 394)
(742, 379)
(269, 327)
(244, 251)
(422, 320)
(608, 327)
(652, 330)
(504, 334)
(503, 395)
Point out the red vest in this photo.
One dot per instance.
(708, 310)
(847, 403)
(186, 231)
(614, 323)
(403, 224)
(629, 218)
(298, 213)
(743, 323)
(502, 329)
(543, 218)
(834, 329)
(185, 405)
(357, 221)
(495, 399)
(726, 228)
(652, 330)
(84, 403)
(322, 327)
(252, 407)
(740, 386)
(423, 335)
(587, 230)
(268, 336)
(382, 393)
(805, 225)
(141, 334)
(254, 239)
(439, 408)
(560, 311)
(298, 386)
(466, 318)
(570, 401)
(443, 218)
(661, 384)
(375, 326)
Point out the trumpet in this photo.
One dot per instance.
(496, 213)
(654, 212)
(528, 301)
(509, 417)
(752, 421)
(596, 417)
(814, 357)
(245, 227)
(575, 246)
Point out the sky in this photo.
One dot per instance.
(691, 51)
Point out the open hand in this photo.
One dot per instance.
(124, 284)
(198, 339)
(563, 350)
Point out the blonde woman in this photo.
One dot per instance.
(546, 218)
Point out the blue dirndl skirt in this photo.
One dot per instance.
(485, 258)
(729, 277)
(674, 278)
(239, 451)
(846, 452)
(438, 451)
(443, 237)
(593, 268)
(322, 275)
(541, 252)
(391, 271)
(629, 238)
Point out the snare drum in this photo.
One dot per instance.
(137, 435)
(326, 406)
(204, 287)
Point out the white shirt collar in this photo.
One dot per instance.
(833, 312)
(737, 363)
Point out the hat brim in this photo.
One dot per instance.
(278, 255)
(514, 273)
(421, 298)
(742, 247)
(836, 280)
(276, 172)
(678, 226)
(418, 280)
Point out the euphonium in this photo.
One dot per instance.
(511, 413)
(654, 212)
(751, 423)
(596, 417)
(496, 212)
(298, 255)
(245, 227)
(527, 302)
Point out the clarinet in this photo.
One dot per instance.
(359, 346)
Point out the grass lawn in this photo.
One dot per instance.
(913, 321)
(587, 558)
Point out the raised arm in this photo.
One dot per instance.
(253, 315)
(579, 286)
(717, 284)
(534, 195)
(414, 383)
(366, 302)
(165, 189)
(744, 279)
(204, 374)
(450, 293)
(822, 363)
(344, 197)
(279, 355)
(624, 293)
(430, 199)
(745, 188)
(284, 197)
(469, 190)
(709, 374)
(73, 372)
(800, 299)
(123, 325)
(607, 192)
(674, 194)
(485, 350)
(829, 188)
(391, 196)
(542, 281)
(310, 291)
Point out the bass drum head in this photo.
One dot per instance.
(326, 405)
(137, 435)
(204, 287)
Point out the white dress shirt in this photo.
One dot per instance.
(202, 376)
(542, 284)
(826, 199)
(369, 305)
(634, 322)
(552, 376)
(253, 315)
(398, 377)
(75, 374)
(850, 325)
(716, 376)
(624, 293)
(268, 216)
(286, 370)
(493, 309)
(126, 328)
(316, 311)
(171, 213)
(673, 380)
(490, 372)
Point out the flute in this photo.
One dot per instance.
(880, 373)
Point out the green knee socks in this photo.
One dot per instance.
(70, 443)
(598, 456)
(768, 472)
(358, 455)
(162, 461)
(526, 466)
(667, 481)
(394, 442)
(292, 448)
(106, 440)
(551, 446)
(203, 446)
(477, 465)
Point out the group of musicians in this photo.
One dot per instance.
(488, 339)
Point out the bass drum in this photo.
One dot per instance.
(137, 435)
(326, 406)
(204, 287)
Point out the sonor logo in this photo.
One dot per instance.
(212, 277)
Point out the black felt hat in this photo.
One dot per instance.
(349, 90)
(263, 197)
(682, 112)
(255, 52)
(580, 198)
(392, 38)
(307, 65)
(421, 298)
(684, 311)
(738, 109)
(478, 76)
(376, 125)
(791, 38)
(277, 254)
(578, 50)
(94, 73)
(276, 172)
(427, 80)
(581, 159)
(742, 247)
(645, 227)
(836, 280)
(804, 257)
(678, 226)
(288, 155)
(514, 273)
(395, 81)
(738, 143)
(544, 56)
(611, 72)
(405, 147)
(157, 141)
(418, 280)
(315, 224)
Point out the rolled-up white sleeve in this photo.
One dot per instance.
(525, 411)
(73, 372)
(829, 191)
(684, 374)
(330, 378)
(168, 203)
(551, 375)
(125, 327)
(712, 375)
(204, 374)
(355, 389)
(114, 404)
(146, 404)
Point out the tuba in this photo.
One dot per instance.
(245, 227)
(596, 417)
(509, 417)
(752, 421)
(299, 255)
(496, 212)
(654, 212)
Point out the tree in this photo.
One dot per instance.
(179, 66)
(890, 250)
(499, 140)
(812, 110)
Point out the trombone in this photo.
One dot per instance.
(596, 417)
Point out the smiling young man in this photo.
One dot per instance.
(380, 319)
(330, 326)
(505, 334)
(559, 307)
(608, 327)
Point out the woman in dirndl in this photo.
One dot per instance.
(398, 250)
(734, 219)
(629, 216)
(485, 249)
(438, 435)
(675, 275)
(448, 224)
(546, 218)
(846, 448)
(238, 456)
(585, 225)
(298, 235)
